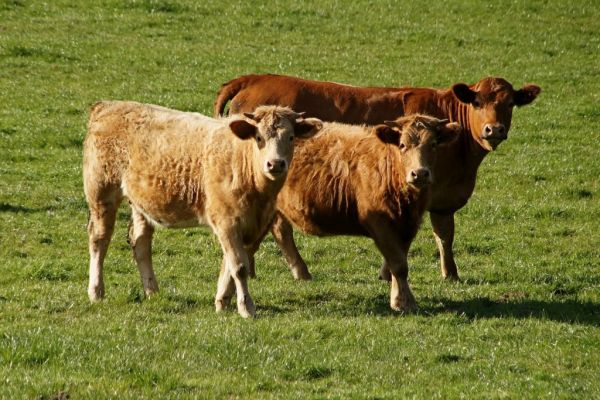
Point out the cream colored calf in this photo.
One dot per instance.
(181, 169)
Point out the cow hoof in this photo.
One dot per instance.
(150, 287)
(301, 275)
(405, 304)
(222, 304)
(452, 278)
(246, 307)
(406, 308)
(96, 293)
(151, 292)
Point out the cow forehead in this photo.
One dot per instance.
(415, 135)
(493, 88)
(275, 122)
(271, 125)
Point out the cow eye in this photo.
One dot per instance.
(291, 138)
(402, 146)
(258, 138)
(476, 103)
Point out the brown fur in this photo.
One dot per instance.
(485, 105)
(348, 181)
(183, 169)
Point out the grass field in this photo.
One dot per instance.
(525, 321)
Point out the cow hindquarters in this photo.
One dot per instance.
(140, 240)
(284, 236)
(443, 230)
(234, 269)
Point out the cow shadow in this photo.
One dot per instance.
(7, 207)
(354, 305)
(568, 311)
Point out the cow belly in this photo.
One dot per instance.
(163, 221)
(326, 225)
(161, 208)
(450, 198)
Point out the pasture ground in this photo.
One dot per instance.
(525, 321)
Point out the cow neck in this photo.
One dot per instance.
(471, 150)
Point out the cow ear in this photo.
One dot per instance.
(307, 127)
(387, 134)
(448, 132)
(242, 129)
(526, 94)
(463, 93)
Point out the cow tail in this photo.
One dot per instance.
(227, 92)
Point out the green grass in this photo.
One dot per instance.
(524, 323)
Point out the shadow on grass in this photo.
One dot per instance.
(354, 305)
(569, 311)
(6, 207)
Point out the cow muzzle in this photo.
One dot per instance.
(419, 177)
(275, 167)
(494, 134)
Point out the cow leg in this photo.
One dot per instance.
(252, 249)
(284, 236)
(140, 240)
(384, 272)
(236, 263)
(443, 230)
(401, 297)
(225, 288)
(395, 253)
(100, 229)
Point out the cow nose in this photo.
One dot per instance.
(494, 131)
(420, 176)
(276, 166)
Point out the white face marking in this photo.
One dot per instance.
(276, 154)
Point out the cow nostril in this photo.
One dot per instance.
(276, 165)
(487, 129)
(501, 129)
(425, 173)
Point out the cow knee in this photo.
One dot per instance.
(239, 271)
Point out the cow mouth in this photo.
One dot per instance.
(494, 142)
(420, 183)
(275, 175)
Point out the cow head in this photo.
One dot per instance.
(273, 130)
(491, 102)
(417, 138)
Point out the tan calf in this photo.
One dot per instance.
(182, 169)
(375, 182)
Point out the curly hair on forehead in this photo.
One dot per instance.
(416, 121)
(275, 112)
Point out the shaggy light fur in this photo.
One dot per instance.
(183, 169)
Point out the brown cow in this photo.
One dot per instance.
(181, 169)
(368, 181)
(483, 109)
